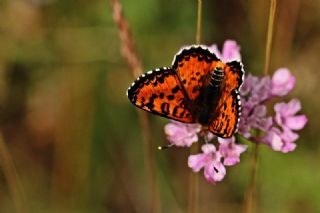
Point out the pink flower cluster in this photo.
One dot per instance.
(210, 159)
(277, 131)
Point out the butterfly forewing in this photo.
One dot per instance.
(160, 92)
(193, 66)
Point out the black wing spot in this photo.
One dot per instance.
(150, 105)
(165, 108)
(161, 80)
(182, 113)
(170, 97)
(175, 110)
(200, 58)
(175, 89)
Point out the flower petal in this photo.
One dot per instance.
(260, 111)
(208, 148)
(196, 162)
(214, 48)
(273, 139)
(288, 147)
(231, 51)
(226, 140)
(181, 134)
(282, 82)
(293, 107)
(276, 142)
(230, 151)
(288, 135)
(214, 171)
(296, 122)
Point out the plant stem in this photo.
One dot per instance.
(12, 178)
(193, 199)
(129, 53)
(272, 13)
(250, 205)
(250, 196)
(199, 20)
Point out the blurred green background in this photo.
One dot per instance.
(75, 138)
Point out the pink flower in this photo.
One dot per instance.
(281, 141)
(285, 115)
(230, 51)
(231, 151)
(282, 82)
(254, 92)
(181, 134)
(210, 160)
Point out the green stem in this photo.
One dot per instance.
(250, 205)
(250, 195)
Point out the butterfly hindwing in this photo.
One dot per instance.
(227, 112)
(226, 117)
(160, 92)
(193, 66)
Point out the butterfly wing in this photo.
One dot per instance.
(226, 116)
(160, 92)
(234, 75)
(193, 66)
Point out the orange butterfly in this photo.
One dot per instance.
(197, 88)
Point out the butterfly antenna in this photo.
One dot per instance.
(165, 147)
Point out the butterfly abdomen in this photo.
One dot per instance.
(216, 79)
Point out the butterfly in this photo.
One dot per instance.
(197, 88)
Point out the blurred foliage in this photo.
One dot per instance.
(74, 137)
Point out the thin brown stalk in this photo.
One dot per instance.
(272, 13)
(249, 203)
(12, 178)
(130, 55)
(199, 20)
(127, 46)
(250, 196)
(193, 199)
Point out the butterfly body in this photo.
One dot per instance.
(198, 88)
